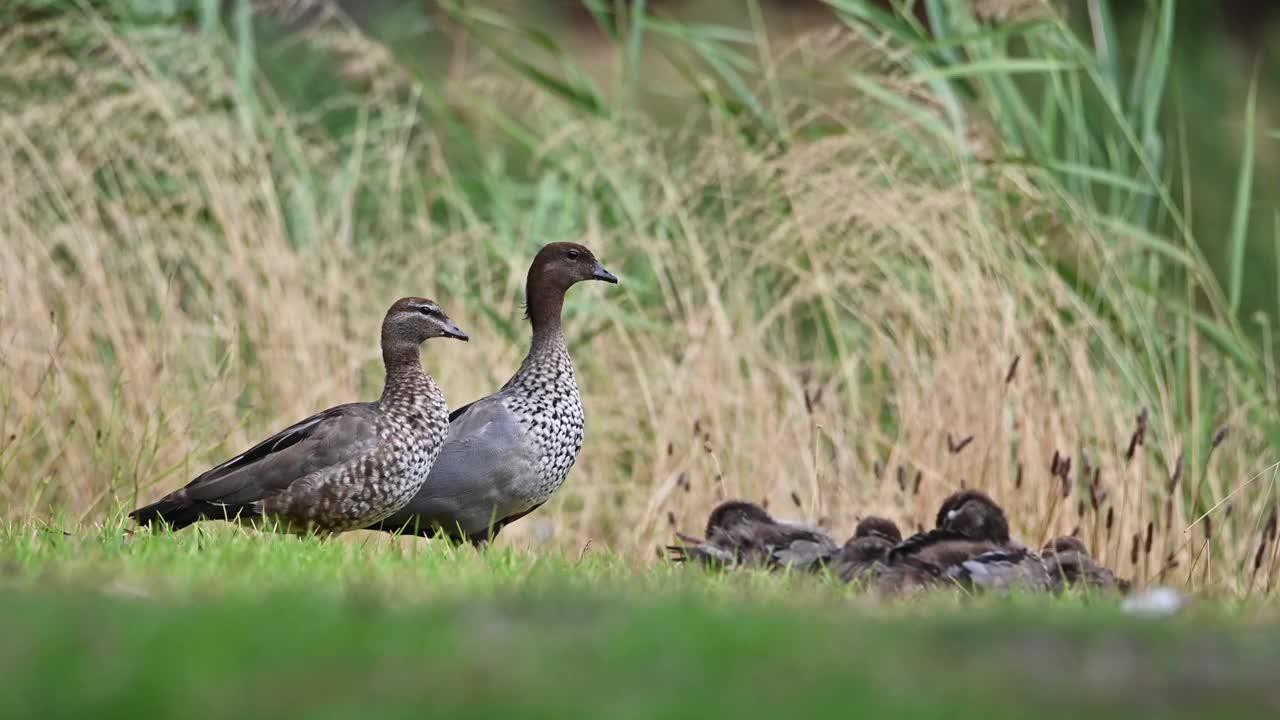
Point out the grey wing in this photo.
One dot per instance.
(805, 553)
(326, 439)
(482, 475)
(1001, 571)
(806, 547)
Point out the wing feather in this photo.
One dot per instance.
(324, 439)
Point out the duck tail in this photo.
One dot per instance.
(685, 550)
(692, 549)
(175, 510)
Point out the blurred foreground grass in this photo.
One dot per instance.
(230, 625)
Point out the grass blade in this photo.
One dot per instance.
(1237, 240)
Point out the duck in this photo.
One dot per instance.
(507, 453)
(339, 469)
(871, 541)
(968, 524)
(742, 533)
(1069, 563)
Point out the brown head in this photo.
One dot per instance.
(866, 549)
(975, 515)
(871, 540)
(733, 513)
(556, 268)
(410, 322)
(1064, 544)
(878, 527)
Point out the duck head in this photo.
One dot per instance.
(562, 264)
(873, 537)
(1064, 544)
(410, 322)
(736, 513)
(416, 320)
(878, 527)
(557, 267)
(975, 515)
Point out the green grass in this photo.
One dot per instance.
(232, 625)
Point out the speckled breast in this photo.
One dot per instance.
(379, 482)
(550, 410)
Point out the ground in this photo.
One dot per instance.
(227, 624)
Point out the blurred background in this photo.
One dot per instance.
(1216, 50)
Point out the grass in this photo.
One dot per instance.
(225, 623)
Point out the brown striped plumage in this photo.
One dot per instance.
(871, 541)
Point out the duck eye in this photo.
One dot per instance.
(424, 310)
(573, 254)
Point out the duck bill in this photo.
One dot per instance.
(601, 274)
(452, 330)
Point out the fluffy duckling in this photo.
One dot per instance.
(1069, 563)
(968, 524)
(871, 541)
(743, 533)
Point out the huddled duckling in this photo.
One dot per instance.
(968, 525)
(1069, 564)
(969, 547)
(741, 533)
(871, 541)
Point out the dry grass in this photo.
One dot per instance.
(818, 326)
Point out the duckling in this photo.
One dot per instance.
(968, 524)
(871, 540)
(741, 533)
(1069, 563)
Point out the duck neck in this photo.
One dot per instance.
(402, 359)
(546, 302)
(549, 353)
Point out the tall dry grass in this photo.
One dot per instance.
(824, 325)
